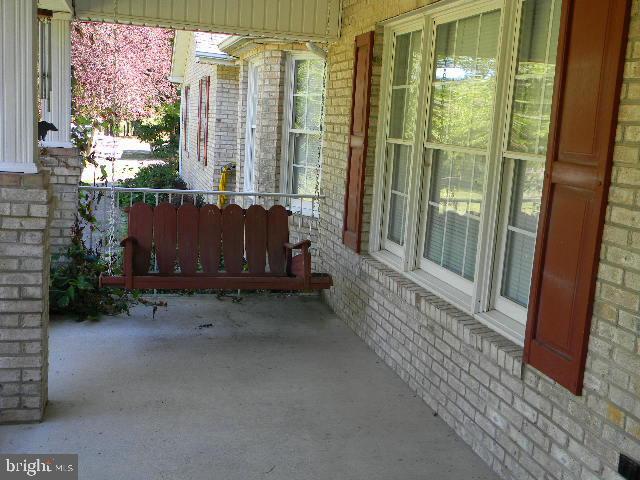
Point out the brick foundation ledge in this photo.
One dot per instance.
(25, 210)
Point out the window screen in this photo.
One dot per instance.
(462, 102)
(528, 134)
(407, 64)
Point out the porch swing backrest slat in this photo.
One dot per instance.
(256, 238)
(197, 236)
(188, 238)
(165, 236)
(142, 230)
(209, 237)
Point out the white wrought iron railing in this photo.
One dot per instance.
(108, 206)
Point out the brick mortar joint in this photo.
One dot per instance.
(486, 341)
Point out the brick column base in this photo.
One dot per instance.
(65, 166)
(24, 286)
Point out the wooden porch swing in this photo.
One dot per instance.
(217, 239)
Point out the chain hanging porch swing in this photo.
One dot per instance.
(210, 247)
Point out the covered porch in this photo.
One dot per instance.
(270, 387)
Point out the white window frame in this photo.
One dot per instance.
(480, 298)
(286, 163)
(251, 126)
(46, 70)
(396, 251)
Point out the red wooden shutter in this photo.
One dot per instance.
(203, 119)
(185, 120)
(584, 116)
(206, 120)
(352, 227)
(200, 94)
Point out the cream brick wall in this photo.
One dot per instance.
(25, 204)
(270, 60)
(223, 106)
(65, 168)
(520, 422)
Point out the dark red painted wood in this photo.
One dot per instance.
(203, 119)
(141, 229)
(277, 236)
(165, 236)
(129, 245)
(584, 116)
(222, 280)
(210, 237)
(205, 227)
(255, 233)
(358, 141)
(233, 238)
(188, 217)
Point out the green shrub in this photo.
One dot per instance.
(162, 131)
(74, 283)
(82, 133)
(158, 175)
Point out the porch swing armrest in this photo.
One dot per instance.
(128, 244)
(300, 265)
(127, 241)
(296, 246)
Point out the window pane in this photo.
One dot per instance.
(396, 117)
(301, 76)
(304, 180)
(516, 281)
(400, 156)
(306, 149)
(455, 204)
(533, 89)
(314, 108)
(464, 81)
(406, 81)
(316, 75)
(307, 94)
(299, 111)
(397, 209)
(401, 59)
(299, 149)
(521, 230)
(400, 174)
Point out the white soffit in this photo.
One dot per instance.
(317, 20)
(56, 5)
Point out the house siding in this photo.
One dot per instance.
(270, 60)
(523, 424)
(222, 121)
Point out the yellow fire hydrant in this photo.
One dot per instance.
(227, 171)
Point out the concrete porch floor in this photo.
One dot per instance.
(276, 388)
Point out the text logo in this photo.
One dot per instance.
(34, 466)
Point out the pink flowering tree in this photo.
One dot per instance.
(120, 72)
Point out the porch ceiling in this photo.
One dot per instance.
(317, 20)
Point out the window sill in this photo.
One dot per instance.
(469, 330)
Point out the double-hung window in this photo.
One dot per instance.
(302, 129)
(250, 132)
(462, 136)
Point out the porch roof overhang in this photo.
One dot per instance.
(302, 20)
(179, 56)
(65, 6)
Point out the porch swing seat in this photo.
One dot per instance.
(234, 248)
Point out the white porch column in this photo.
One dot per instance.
(58, 110)
(18, 40)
